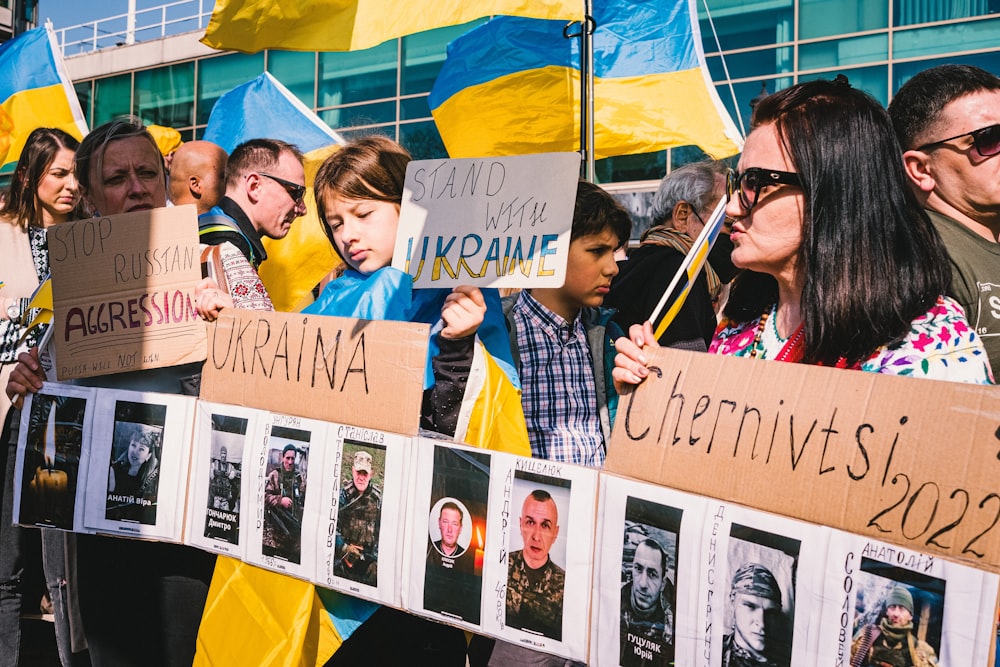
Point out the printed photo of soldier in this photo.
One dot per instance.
(359, 514)
(285, 493)
(535, 580)
(760, 600)
(225, 475)
(52, 460)
(456, 533)
(134, 466)
(899, 617)
(648, 594)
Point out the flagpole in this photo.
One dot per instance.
(587, 90)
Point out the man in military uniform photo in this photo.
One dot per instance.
(224, 485)
(358, 524)
(284, 498)
(647, 615)
(759, 637)
(534, 583)
(891, 643)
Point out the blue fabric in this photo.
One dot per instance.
(346, 612)
(388, 294)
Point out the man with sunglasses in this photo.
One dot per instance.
(265, 192)
(947, 120)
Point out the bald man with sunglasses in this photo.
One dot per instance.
(947, 120)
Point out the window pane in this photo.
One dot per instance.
(766, 62)
(822, 18)
(414, 108)
(357, 76)
(745, 92)
(422, 140)
(165, 95)
(685, 155)
(910, 12)
(841, 52)
(112, 98)
(297, 71)
(943, 39)
(903, 72)
(220, 75)
(423, 54)
(872, 80)
(644, 167)
(357, 116)
(389, 131)
(85, 94)
(746, 23)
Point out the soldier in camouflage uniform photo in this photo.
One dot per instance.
(284, 498)
(358, 524)
(534, 583)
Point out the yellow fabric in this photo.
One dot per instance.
(296, 263)
(29, 109)
(537, 111)
(496, 420)
(349, 25)
(167, 138)
(263, 618)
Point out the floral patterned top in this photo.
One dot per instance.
(941, 346)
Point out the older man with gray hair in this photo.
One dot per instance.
(681, 207)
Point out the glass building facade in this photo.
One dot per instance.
(751, 46)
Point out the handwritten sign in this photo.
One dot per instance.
(490, 222)
(909, 461)
(123, 291)
(358, 372)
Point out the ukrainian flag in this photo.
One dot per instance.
(265, 108)
(349, 25)
(512, 86)
(36, 92)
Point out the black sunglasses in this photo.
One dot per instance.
(295, 191)
(986, 140)
(749, 183)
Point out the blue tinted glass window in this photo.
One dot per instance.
(388, 131)
(842, 52)
(112, 98)
(872, 80)
(935, 40)
(297, 71)
(165, 95)
(903, 72)
(220, 75)
(423, 55)
(414, 108)
(422, 140)
(911, 12)
(85, 94)
(643, 167)
(765, 62)
(358, 76)
(823, 18)
(360, 115)
(745, 23)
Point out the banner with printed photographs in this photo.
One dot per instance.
(550, 557)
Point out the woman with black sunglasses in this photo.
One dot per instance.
(842, 266)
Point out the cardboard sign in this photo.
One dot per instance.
(908, 461)
(123, 291)
(359, 372)
(490, 222)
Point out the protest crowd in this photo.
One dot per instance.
(855, 237)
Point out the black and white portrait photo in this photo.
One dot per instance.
(134, 467)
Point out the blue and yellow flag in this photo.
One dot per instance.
(512, 86)
(265, 108)
(349, 25)
(36, 92)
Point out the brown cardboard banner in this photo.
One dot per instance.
(910, 461)
(123, 292)
(359, 372)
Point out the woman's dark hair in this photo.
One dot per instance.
(872, 261)
(372, 167)
(39, 151)
(90, 154)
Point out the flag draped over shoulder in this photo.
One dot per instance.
(35, 92)
(512, 86)
(349, 25)
(263, 108)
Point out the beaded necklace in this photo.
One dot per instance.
(790, 346)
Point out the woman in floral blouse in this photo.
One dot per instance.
(842, 266)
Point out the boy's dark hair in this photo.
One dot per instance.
(918, 103)
(596, 210)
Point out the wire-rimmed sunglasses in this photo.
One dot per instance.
(748, 184)
(986, 140)
(295, 191)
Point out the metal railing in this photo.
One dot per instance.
(135, 26)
